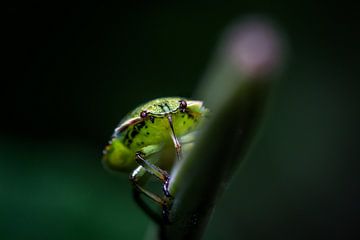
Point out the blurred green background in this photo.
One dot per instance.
(70, 75)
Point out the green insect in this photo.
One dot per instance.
(151, 139)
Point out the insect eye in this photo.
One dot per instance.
(143, 114)
(183, 105)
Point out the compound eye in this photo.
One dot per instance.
(143, 114)
(183, 105)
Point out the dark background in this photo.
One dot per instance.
(71, 74)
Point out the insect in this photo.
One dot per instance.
(151, 139)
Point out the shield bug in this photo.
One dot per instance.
(151, 139)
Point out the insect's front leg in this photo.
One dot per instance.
(135, 178)
(147, 159)
(141, 159)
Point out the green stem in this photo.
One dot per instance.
(235, 94)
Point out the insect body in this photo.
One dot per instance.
(151, 139)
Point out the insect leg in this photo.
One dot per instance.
(158, 172)
(135, 177)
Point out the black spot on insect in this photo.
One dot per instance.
(146, 126)
(184, 122)
(142, 143)
(127, 137)
(162, 107)
(152, 119)
(128, 142)
(182, 116)
(139, 126)
(134, 133)
(147, 133)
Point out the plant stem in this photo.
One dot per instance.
(235, 92)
